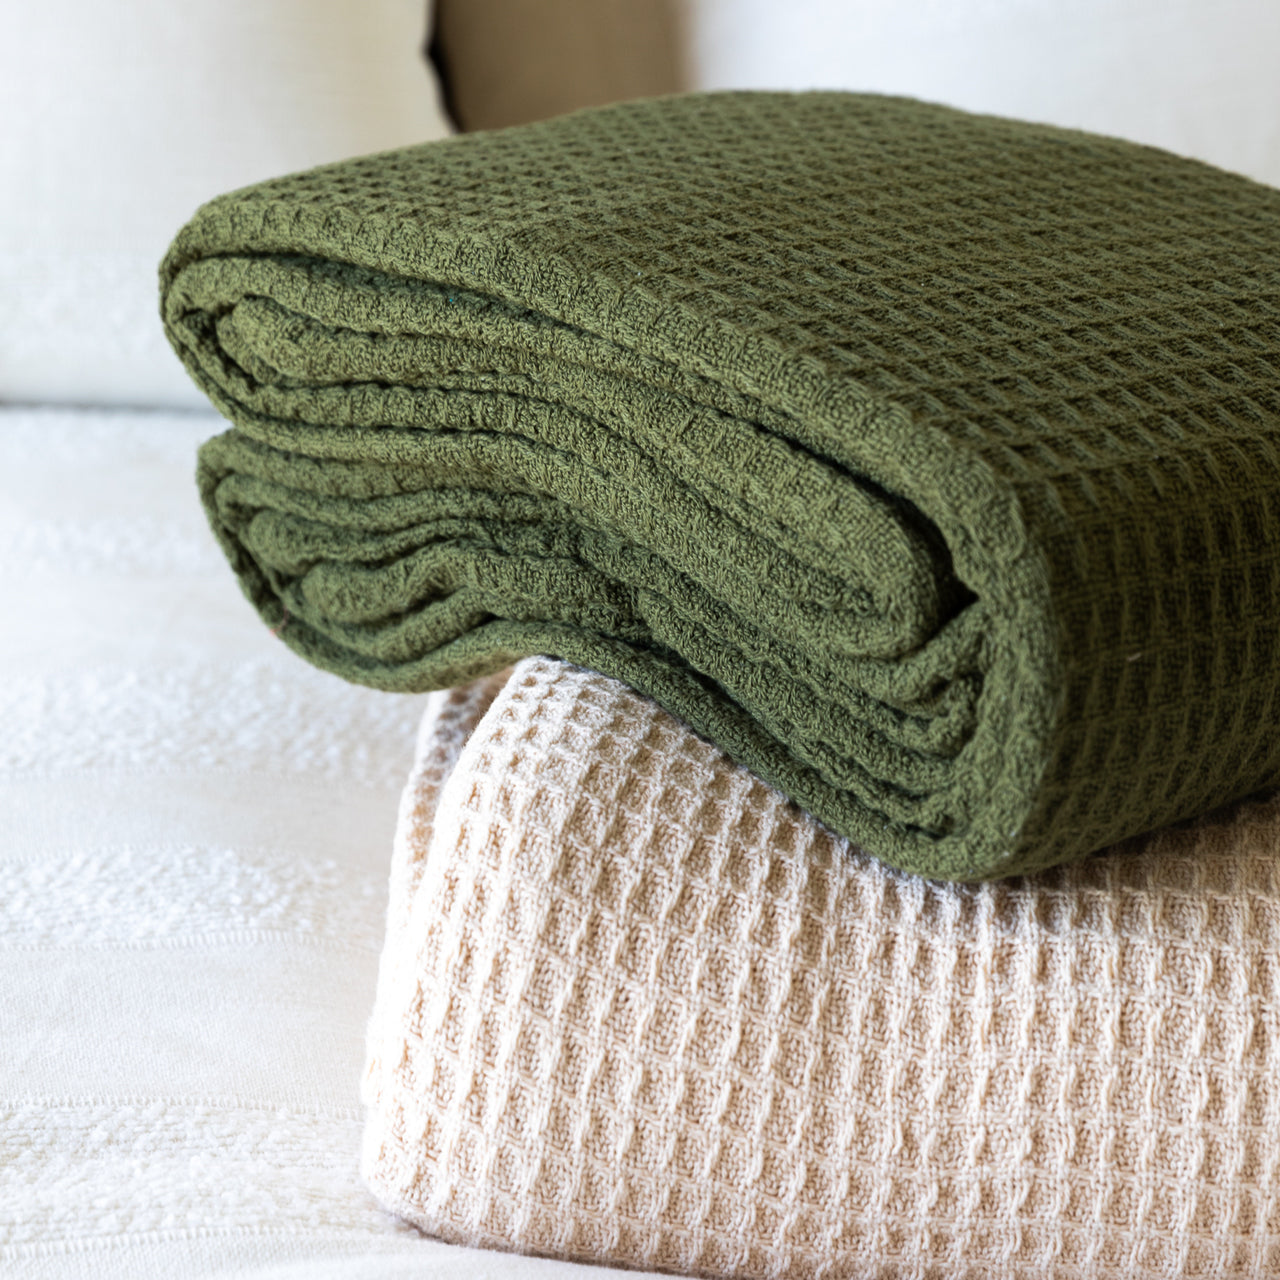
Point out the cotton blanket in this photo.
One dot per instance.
(635, 1008)
(925, 462)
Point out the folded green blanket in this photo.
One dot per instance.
(929, 463)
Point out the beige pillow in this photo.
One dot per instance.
(635, 1007)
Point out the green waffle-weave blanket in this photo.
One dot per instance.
(929, 463)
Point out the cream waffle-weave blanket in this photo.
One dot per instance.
(635, 1007)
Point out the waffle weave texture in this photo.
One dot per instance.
(925, 462)
(637, 1008)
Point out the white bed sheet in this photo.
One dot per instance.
(195, 830)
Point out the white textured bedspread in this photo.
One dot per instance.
(195, 831)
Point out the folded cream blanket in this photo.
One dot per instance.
(636, 1007)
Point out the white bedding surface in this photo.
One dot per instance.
(195, 831)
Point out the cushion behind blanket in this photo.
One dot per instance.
(636, 1007)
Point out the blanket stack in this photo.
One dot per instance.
(892, 496)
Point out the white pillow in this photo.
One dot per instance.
(121, 118)
(1198, 79)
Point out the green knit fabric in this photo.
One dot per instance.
(927, 462)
